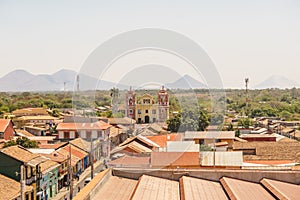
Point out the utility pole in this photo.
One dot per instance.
(22, 180)
(214, 153)
(70, 172)
(92, 158)
(65, 86)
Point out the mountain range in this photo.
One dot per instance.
(21, 80)
(277, 81)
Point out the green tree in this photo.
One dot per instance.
(245, 122)
(22, 141)
(188, 120)
(174, 123)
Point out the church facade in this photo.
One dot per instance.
(146, 109)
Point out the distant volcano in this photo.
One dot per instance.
(277, 81)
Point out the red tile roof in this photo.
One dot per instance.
(238, 189)
(175, 159)
(76, 151)
(162, 140)
(269, 162)
(156, 189)
(3, 124)
(195, 188)
(51, 146)
(282, 190)
(116, 188)
(83, 126)
(130, 161)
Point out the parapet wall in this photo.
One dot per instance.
(89, 191)
(211, 174)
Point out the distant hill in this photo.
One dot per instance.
(277, 81)
(21, 80)
(186, 82)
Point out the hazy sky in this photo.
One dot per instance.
(252, 39)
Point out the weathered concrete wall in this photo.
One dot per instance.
(211, 174)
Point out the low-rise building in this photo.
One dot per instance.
(6, 129)
(17, 156)
(40, 120)
(210, 137)
(10, 189)
(30, 112)
(49, 179)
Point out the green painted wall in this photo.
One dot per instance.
(9, 167)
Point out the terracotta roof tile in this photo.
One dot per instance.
(3, 124)
(156, 189)
(19, 153)
(48, 165)
(238, 189)
(56, 156)
(124, 189)
(131, 161)
(76, 151)
(282, 190)
(180, 159)
(100, 125)
(161, 140)
(194, 188)
(12, 188)
(24, 133)
(51, 146)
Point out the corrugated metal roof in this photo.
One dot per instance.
(182, 146)
(222, 158)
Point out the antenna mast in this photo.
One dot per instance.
(77, 81)
(247, 92)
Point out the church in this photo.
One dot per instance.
(146, 110)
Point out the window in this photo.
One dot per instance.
(146, 101)
(28, 170)
(153, 112)
(88, 134)
(130, 111)
(139, 111)
(146, 111)
(100, 134)
(66, 135)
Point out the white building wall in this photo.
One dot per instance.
(72, 134)
(60, 134)
(83, 134)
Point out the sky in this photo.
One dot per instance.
(254, 39)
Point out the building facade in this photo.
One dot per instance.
(146, 109)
